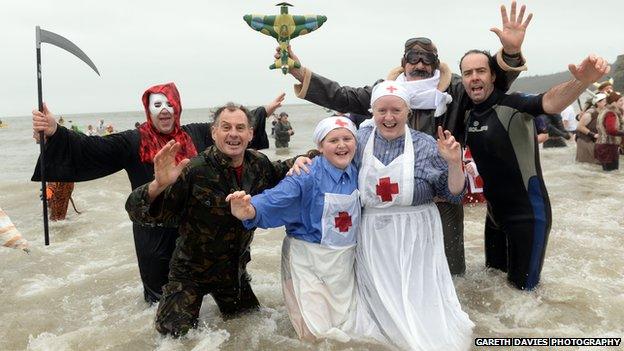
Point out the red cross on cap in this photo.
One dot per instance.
(391, 89)
(340, 122)
(343, 222)
(385, 189)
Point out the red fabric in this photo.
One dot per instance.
(470, 197)
(151, 139)
(606, 153)
(239, 173)
(610, 124)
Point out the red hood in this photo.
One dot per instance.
(171, 92)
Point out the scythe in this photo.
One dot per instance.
(44, 36)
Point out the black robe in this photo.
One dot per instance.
(75, 157)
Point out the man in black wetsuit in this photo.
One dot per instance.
(74, 157)
(501, 135)
(438, 99)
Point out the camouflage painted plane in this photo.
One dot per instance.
(284, 27)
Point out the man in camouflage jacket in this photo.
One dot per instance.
(212, 251)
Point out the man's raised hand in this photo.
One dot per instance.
(590, 70)
(514, 28)
(43, 121)
(166, 171)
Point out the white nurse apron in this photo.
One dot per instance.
(318, 280)
(405, 292)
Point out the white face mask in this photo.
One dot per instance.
(157, 103)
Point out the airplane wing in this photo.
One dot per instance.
(306, 24)
(261, 23)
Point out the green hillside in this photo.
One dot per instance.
(538, 84)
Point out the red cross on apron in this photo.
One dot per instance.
(343, 221)
(385, 189)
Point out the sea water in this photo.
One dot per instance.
(83, 292)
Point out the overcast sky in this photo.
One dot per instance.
(214, 57)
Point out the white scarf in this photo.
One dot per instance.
(424, 93)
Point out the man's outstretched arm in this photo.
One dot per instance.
(560, 96)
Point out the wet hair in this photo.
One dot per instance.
(501, 79)
(231, 107)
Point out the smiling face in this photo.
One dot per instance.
(338, 147)
(390, 114)
(232, 133)
(477, 78)
(161, 113)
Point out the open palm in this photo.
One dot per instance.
(165, 169)
(514, 28)
(448, 147)
(590, 70)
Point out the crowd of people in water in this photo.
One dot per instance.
(101, 129)
(597, 128)
(373, 214)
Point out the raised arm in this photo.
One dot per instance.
(44, 121)
(275, 104)
(72, 156)
(513, 29)
(166, 171)
(162, 200)
(560, 96)
(328, 93)
(511, 35)
(450, 150)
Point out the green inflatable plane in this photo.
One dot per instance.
(284, 27)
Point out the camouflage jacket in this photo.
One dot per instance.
(213, 247)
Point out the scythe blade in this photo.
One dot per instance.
(44, 36)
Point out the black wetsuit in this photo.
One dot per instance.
(75, 157)
(501, 135)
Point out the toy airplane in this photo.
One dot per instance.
(284, 27)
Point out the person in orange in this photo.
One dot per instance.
(59, 196)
